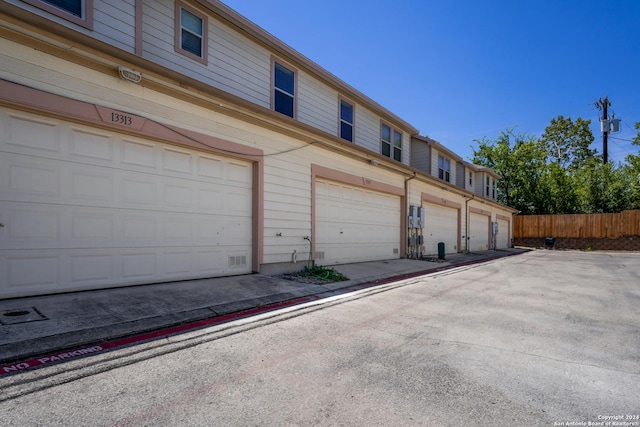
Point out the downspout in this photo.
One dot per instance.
(466, 222)
(406, 185)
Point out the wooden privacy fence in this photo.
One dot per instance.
(614, 225)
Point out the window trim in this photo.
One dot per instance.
(391, 142)
(85, 21)
(341, 120)
(444, 168)
(288, 67)
(179, 5)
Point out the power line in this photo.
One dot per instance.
(621, 139)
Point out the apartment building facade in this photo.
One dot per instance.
(145, 141)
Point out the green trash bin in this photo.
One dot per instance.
(441, 250)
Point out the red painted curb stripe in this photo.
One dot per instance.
(148, 336)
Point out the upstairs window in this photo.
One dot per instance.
(391, 142)
(444, 168)
(74, 7)
(488, 186)
(346, 120)
(191, 37)
(284, 90)
(470, 179)
(493, 189)
(77, 11)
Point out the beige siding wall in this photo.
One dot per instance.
(317, 104)
(406, 148)
(367, 129)
(113, 22)
(420, 158)
(243, 68)
(480, 183)
(235, 64)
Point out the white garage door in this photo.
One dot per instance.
(441, 225)
(502, 239)
(478, 232)
(355, 224)
(84, 208)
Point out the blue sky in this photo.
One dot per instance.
(460, 70)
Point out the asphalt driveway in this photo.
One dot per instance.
(542, 338)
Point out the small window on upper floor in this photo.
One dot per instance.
(493, 189)
(77, 11)
(470, 179)
(488, 189)
(444, 168)
(346, 120)
(191, 33)
(284, 90)
(391, 142)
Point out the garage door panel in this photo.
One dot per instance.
(89, 269)
(478, 232)
(29, 224)
(32, 134)
(139, 191)
(27, 178)
(210, 168)
(97, 209)
(441, 225)
(27, 269)
(175, 160)
(238, 202)
(91, 146)
(239, 173)
(138, 155)
(139, 265)
(502, 239)
(89, 185)
(177, 195)
(355, 225)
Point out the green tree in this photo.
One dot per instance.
(632, 171)
(561, 193)
(604, 188)
(559, 173)
(519, 165)
(567, 142)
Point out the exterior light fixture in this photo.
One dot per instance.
(129, 75)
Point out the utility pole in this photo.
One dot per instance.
(604, 126)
